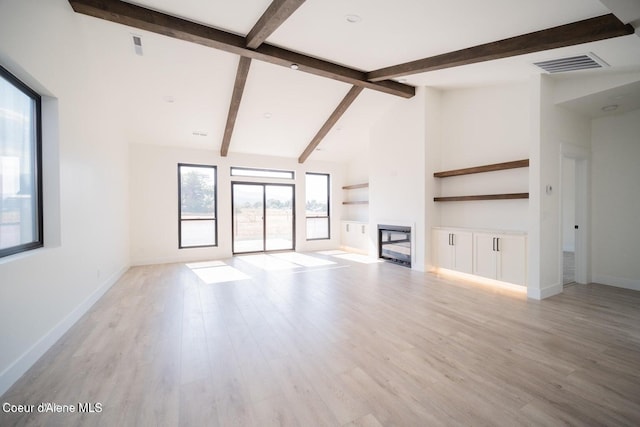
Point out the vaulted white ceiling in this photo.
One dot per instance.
(178, 93)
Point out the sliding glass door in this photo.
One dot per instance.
(263, 217)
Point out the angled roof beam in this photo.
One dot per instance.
(588, 30)
(171, 26)
(326, 127)
(238, 90)
(277, 12)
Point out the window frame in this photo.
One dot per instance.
(215, 208)
(36, 162)
(328, 216)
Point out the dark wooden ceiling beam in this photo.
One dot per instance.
(333, 119)
(588, 30)
(171, 26)
(277, 12)
(236, 98)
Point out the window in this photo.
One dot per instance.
(20, 166)
(261, 173)
(317, 207)
(197, 226)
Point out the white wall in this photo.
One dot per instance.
(154, 201)
(397, 172)
(482, 126)
(616, 200)
(552, 126)
(43, 292)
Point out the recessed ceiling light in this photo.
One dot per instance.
(294, 66)
(611, 107)
(267, 115)
(353, 19)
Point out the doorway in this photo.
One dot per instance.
(575, 218)
(568, 221)
(263, 217)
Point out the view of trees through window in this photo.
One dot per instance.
(317, 206)
(197, 226)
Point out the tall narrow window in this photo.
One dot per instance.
(20, 166)
(317, 207)
(197, 226)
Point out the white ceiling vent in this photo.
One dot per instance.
(572, 63)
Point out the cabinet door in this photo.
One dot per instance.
(363, 237)
(484, 258)
(344, 234)
(444, 251)
(512, 259)
(463, 251)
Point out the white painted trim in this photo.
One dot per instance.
(582, 156)
(542, 293)
(22, 364)
(620, 282)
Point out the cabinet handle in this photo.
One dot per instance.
(362, 229)
(453, 241)
(450, 239)
(493, 244)
(347, 228)
(497, 244)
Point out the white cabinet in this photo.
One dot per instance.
(453, 249)
(355, 236)
(500, 256)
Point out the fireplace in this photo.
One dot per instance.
(394, 244)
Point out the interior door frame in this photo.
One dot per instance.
(582, 157)
(264, 185)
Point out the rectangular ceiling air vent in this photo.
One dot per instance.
(572, 63)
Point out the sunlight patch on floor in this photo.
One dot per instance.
(333, 252)
(363, 259)
(268, 262)
(303, 260)
(211, 272)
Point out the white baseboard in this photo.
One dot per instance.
(21, 365)
(542, 293)
(620, 282)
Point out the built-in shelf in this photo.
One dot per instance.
(505, 196)
(486, 168)
(355, 186)
(479, 169)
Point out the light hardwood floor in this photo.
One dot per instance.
(343, 344)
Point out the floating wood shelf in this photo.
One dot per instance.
(361, 202)
(486, 168)
(482, 197)
(354, 186)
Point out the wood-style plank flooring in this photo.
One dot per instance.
(338, 343)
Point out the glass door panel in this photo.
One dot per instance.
(248, 217)
(279, 217)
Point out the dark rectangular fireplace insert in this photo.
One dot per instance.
(394, 244)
